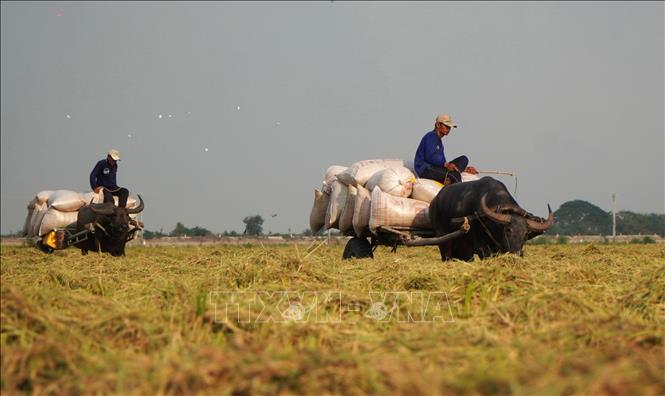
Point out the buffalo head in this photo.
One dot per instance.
(511, 226)
(499, 224)
(111, 226)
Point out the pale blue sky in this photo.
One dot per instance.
(570, 96)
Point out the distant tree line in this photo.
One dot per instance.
(583, 218)
(180, 230)
(253, 226)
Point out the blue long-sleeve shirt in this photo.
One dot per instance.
(429, 152)
(103, 175)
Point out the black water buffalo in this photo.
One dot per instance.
(498, 224)
(109, 225)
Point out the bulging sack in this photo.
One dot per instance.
(32, 203)
(425, 189)
(36, 219)
(91, 196)
(396, 181)
(361, 171)
(54, 218)
(65, 200)
(330, 176)
(469, 177)
(317, 217)
(410, 165)
(361, 212)
(26, 224)
(391, 211)
(43, 196)
(336, 204)
(346, 217)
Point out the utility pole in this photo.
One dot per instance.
(614, 217)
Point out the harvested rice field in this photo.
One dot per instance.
(287, 319)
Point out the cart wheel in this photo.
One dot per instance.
(43, 248)
(358, 248)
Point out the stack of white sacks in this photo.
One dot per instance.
(369, 194)
(58, 209)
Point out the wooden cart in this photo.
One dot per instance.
(362, 247)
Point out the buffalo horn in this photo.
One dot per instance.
(514, 209)
(497, 217)
(97, 225)
(138, 208)
(542, 224)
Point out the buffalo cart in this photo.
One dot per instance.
(62, 238)
(361, 247)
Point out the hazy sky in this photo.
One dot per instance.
(569, 96)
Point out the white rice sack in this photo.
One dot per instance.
(131, 203)
(468, 177)
(361, 171)
(346, 217)
(425, 189)
(391, 211)
(336, 204)
(394, 181)
(36, 220)
(317, 217)
(26, 224)
(91, 196)
(361, 212)
(410, 165)
(32, 203)
(65, 200)
(43, 196)
(55, 218)
(331, 176)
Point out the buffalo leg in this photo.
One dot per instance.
(445, 249)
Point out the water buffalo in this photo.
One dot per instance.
(109, 225)
(498, 224)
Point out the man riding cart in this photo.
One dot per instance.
(90, 221)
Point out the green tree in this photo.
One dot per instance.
(253, 225)
(181, 230)
(581, 218)
(147, 234)
(200, 231)
(629, 223)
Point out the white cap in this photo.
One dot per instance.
(115, 154)
(445, 119)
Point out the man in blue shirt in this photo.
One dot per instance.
(430, 161)
(102, 177)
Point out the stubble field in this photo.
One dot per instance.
(563, 319)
